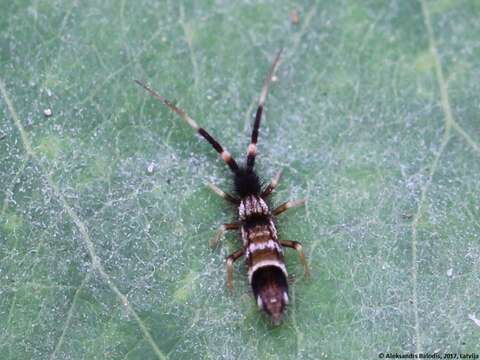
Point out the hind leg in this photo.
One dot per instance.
(297, 246)
(230, 260)
(221, 231)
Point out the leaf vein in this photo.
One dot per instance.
(85, 236)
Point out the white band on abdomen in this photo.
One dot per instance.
(264, 263)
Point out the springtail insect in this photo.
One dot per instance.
(262, 249)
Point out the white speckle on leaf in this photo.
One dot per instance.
(47, 112)
(450, 272)
(150, 168)
(474, 319)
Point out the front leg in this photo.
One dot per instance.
(273, 184)
(297, 246)
(287, 205)
(230, 260)
(230, 198)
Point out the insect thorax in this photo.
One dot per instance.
(253, 206)
(246, 182)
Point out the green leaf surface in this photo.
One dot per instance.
(105, 216)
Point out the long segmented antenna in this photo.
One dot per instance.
(226, 156)
(252, 148)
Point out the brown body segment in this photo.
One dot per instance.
(262, 246)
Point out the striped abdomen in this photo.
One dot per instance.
(264, 257)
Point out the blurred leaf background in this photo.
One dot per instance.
(104, 213)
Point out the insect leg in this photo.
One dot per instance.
(252, 148)
(287, 205)
(222, 194)
(230, 260)
(273, 184)
(202, 132)
(221, 230)
(297, 246)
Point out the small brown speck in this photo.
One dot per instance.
(294, 17)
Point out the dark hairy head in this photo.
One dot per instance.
(247, 182)
(270, 287)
